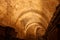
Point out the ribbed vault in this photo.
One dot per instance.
(28, 17)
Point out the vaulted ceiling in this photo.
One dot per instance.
(26, 16)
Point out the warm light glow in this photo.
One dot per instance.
(27, 16)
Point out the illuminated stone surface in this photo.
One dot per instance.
(27, 16)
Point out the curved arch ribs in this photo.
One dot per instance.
(30, 18)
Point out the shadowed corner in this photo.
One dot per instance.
(8, 33)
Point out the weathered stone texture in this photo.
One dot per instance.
(21, 13)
